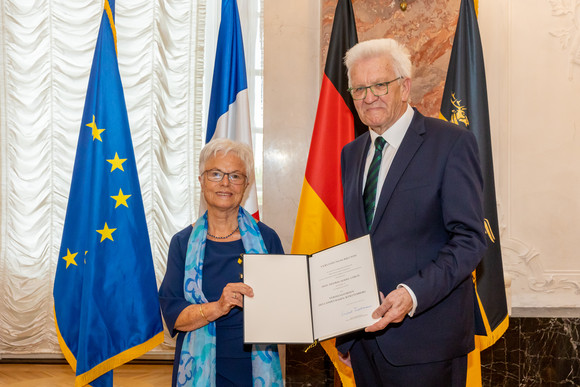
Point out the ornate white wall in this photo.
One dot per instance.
(532, 54)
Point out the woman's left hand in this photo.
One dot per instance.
(232, 296)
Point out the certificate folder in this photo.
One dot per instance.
(302, 298)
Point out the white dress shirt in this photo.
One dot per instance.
(393, 136)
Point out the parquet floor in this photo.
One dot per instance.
(61, 375)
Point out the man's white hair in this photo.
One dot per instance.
(399, 55)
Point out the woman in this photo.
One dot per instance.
(202, 294)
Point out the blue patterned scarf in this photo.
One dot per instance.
(197, 365)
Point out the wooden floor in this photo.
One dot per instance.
(61, 375)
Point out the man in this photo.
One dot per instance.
(420, 197)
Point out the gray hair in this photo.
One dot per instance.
(399, 55)
(225, 145)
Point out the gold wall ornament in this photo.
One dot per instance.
(403, 5)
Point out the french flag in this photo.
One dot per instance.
(229, 109)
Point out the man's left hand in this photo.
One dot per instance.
(394, 307)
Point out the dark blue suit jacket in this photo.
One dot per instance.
(427, 233)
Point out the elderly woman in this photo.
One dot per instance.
(202, 294)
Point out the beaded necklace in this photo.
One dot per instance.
(224, 237)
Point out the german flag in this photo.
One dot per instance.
(320, 220)
(465, 103)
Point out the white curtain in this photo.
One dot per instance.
(165, 51)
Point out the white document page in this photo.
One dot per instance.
(344, 288)
(280, 310)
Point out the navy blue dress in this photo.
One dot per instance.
(220, 267)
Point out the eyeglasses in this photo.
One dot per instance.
(377, 89)
(216, 176)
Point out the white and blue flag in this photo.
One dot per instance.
(229, 110)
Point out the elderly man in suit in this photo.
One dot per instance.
(414, 183)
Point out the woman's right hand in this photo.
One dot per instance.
(232, 296)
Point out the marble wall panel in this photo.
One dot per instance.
(291, 89)
(534, 352)
(312, 368)
(541, 352)
(426, 28)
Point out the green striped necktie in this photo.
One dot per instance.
(370, 192)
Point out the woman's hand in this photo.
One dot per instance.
(232, 296)
(197, 315)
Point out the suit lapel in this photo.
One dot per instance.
(409, 146)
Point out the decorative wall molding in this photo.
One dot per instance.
(568, 14)
(536, 163)
(523, 263)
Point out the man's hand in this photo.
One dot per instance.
(345, 358)
(394, 307)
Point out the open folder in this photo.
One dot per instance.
(303, 298)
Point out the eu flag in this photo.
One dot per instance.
(105, 294)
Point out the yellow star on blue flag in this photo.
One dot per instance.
(105, 303)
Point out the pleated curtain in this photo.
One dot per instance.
(165, 53)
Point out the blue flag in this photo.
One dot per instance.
(229, 109)
(105, 294)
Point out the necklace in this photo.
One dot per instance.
(224, 237)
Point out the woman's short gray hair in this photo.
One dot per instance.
(400, 57)
(225, 146)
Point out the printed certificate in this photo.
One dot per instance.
(303, 298)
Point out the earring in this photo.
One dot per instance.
(403, 5)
